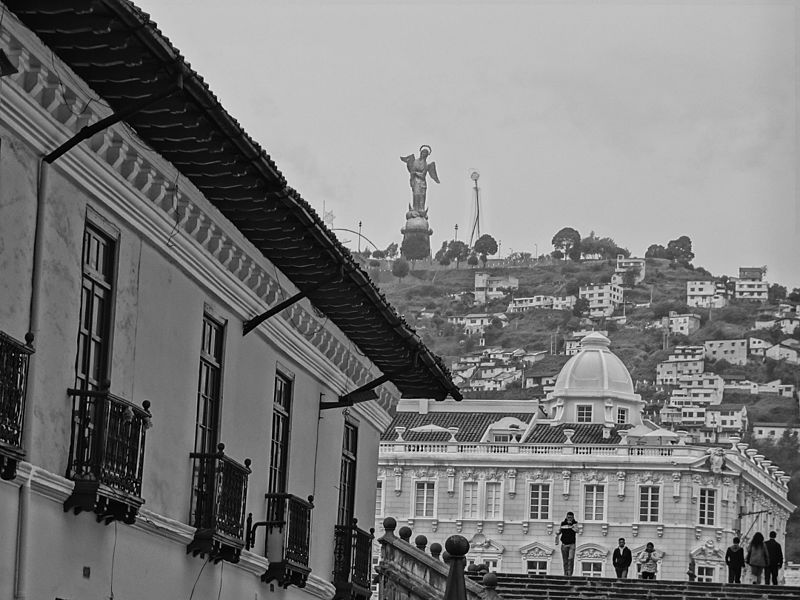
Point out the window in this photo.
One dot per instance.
(707, 506)
(648, 503)
(281, 417)
(584, 413)
(622, 416)
(97, 296)
(594, 502)
(208, 388)
(502, 438)
(540, 501)
(423, 499)
(494, 500)
(590, 568)
(705, 574)
(469, 500)
(347, 474)
(379, 499)
(537, 567)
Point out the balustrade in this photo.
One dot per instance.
(352, 555)
(14, 358)
(288, 525)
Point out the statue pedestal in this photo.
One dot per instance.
(416, 236)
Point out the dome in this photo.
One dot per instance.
(594, 372)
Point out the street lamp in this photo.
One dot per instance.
(456, 228)
(359, 237)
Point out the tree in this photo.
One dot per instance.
(557, 254)
(391, 250)
(472, 261)
(794, 296)
(566, 240)
(629, 278)
(485, 245)
(379, 254)
(441, 253)
(581, 307)
(656, 251)
(680, 250)
(374, 264)
(457, 251)
(400, 268)
(776, 293)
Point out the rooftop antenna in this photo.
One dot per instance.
(476, 224)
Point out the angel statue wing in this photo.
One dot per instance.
(432, 172)
(409, 160)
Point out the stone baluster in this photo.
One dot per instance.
(405, 534)
(421, 542)
(436, 550)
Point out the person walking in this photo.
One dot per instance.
(757, 557)
(649, 558)
(622, 559)
(775, 555)
(734, 558)
(567, 534)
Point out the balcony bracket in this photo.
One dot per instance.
(362, 394)
(251, 324)
(109, 505)
(90, 130)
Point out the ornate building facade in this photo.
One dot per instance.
(504, 474)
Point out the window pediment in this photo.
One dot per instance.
(480, 544)
(536, 550)
(591, 551)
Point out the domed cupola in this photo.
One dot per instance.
(595, 387)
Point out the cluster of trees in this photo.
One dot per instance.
(679, 250)
(456, 251)
(567, 242)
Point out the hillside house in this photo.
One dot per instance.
(706, 294)
(757, 347)
(752, 273)
(631, 264)
(488, 287)
(705, 388)
(547, 302)
(683, 360)
(754, 290)
(564, 302)
(476, 323)
(733, 351)
(603, 299)
(788, 324)
(683, 324)
(724, 421)
(788, 350)
(764, 322)
(773, 431)
(572, 342)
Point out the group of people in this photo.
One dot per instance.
(764, 558)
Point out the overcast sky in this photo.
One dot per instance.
(641, 120)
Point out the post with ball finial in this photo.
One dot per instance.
(457, 547)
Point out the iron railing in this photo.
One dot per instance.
(14, 356)
(352, 558)
(291, 517)
(108, 440)
(220, 494)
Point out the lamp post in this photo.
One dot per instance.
(359, 237)
(456, 228)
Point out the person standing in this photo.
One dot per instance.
(649, 558)
(622, 559)
(734, 558)
(757, 557)
(567, 534)
(775, 555)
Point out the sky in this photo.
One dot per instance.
(641, 121)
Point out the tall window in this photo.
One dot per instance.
(540, 501)
(622, 416)
(469, 500)
(379, 499)
(584, 413)
(423, 499)
(705, 574)
(648, 503)
(494, 500)
(281, 416)
(347, 475)
(537, 567)
(208, 387)
(97, 294)
(594, 503)
(707, 506)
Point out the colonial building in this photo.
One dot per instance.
(186, 351)
(504, 473)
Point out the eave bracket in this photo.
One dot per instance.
(362, 394)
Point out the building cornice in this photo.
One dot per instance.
(46, 107)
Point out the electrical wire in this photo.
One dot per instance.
(191, 595)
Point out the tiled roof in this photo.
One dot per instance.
(471, 425)
(585, 433)
(123, 56)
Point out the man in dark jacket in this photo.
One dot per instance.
(567, 534)
(734, 558)
(622, 559)
(775, 554)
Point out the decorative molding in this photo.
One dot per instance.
(511, 476)
(536, 550)
(316, 586)
(621, 475)
(451, 481)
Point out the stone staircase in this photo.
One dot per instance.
(554, 587)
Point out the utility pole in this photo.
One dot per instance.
(456, 228)
(359, 237)
(476, 224)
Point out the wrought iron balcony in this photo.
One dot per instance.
(218, 505)
(352, 562)
(106, 456)
(14, 357)
(288, 525)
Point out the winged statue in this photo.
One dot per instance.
(419, 169)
